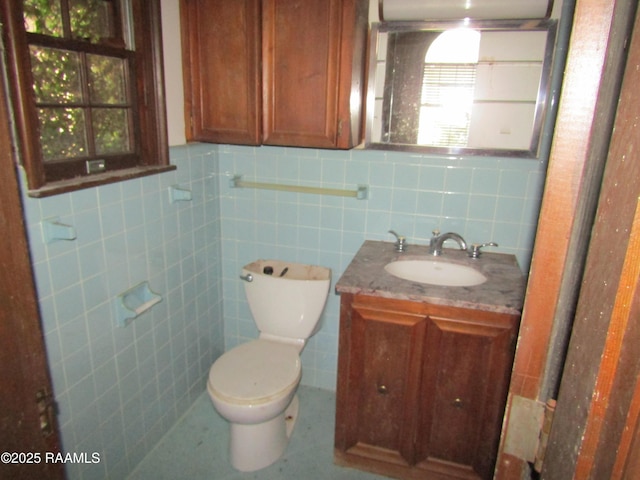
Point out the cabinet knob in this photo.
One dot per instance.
(457, 403)
(382, 389)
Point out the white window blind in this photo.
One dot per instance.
(446, 103)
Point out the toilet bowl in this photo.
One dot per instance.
(253, 385)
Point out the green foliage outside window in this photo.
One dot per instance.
(43, 16)
(90, 20)
(82, 99)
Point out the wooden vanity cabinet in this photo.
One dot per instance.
(421, 387)
(275, 72)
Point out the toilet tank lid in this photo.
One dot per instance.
(254, 370)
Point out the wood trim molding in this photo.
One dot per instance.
(583, 127)
(618, 328)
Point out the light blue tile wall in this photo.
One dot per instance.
(119, 389)
(484, 199)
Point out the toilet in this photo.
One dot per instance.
(253, 385)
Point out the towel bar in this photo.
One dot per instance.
(361, 193)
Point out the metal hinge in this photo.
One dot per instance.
(524, 426)
(543, 439)
(46, 412)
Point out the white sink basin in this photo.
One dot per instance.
(435, 272)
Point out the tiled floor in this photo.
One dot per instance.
(197, 447)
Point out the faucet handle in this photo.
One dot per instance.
(474, 250)
(401, 241)
(435, 232)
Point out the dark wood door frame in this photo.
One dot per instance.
(603, 362)
(589, 98)
(23, 363)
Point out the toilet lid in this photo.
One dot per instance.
(254, 370)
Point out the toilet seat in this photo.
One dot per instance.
(255, 372)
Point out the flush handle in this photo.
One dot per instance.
(247, 278)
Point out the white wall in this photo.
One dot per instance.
(173, 71)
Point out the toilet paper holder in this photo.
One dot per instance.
(133, 302)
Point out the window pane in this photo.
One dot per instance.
(43, 16)
(447, 101)
(106, 80)
(111, 130)
(440, 127)
(62, 133)
(56, 77)
(92, 20)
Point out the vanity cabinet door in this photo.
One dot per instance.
(468, 357)
(380, 394)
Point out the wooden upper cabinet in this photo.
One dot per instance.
(221, 51)
(275, 72)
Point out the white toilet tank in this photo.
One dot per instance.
(286, 299)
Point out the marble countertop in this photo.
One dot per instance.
(503, 292)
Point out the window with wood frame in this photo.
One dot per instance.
(87, 90)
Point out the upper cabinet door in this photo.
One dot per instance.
(221, 51)
(313, 68)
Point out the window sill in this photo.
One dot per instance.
(78, 183)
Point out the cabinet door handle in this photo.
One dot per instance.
(457, 403)
(382, 389)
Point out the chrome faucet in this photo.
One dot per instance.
(437, 240)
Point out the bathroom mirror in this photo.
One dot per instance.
(472, 88)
